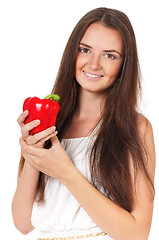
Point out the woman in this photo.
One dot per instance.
(95, 179)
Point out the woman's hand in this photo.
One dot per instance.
(38, 139)
(54, 162)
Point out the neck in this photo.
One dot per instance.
(90, 105)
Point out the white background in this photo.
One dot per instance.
(33, 35)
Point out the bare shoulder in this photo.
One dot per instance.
(144, 184)
(146, 134)
(144, 125)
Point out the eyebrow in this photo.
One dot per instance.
(106, 51)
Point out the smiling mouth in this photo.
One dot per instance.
(94, 76)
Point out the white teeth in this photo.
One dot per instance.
(93, 76)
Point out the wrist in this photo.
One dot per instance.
(31, 169)
(70, 175)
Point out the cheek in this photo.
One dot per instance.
(80, 62)
(113, 69)
(77, 64)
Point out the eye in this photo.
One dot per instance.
(84, 50)
(110, 56)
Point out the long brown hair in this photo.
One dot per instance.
(118, 136)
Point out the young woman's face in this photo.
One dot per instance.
(99, 59)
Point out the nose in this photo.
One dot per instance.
(95, 62)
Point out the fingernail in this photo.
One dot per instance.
(37, 121)
(53, 128)
(26, 112)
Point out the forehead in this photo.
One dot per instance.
(104, 38)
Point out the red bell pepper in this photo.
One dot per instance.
(45, 110)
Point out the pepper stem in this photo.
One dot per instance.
(55, 97)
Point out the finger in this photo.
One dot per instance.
(23, 145)
(55, 141)
(22, 118)
(41, 135)
(29, 126)
(42, 141)
(31, 158)
(31, 150)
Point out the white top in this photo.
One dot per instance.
(62, 215)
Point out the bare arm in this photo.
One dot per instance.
(111, 218)
(24, 198)
(117, 222)
(27, 185)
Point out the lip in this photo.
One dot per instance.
(92, 76)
